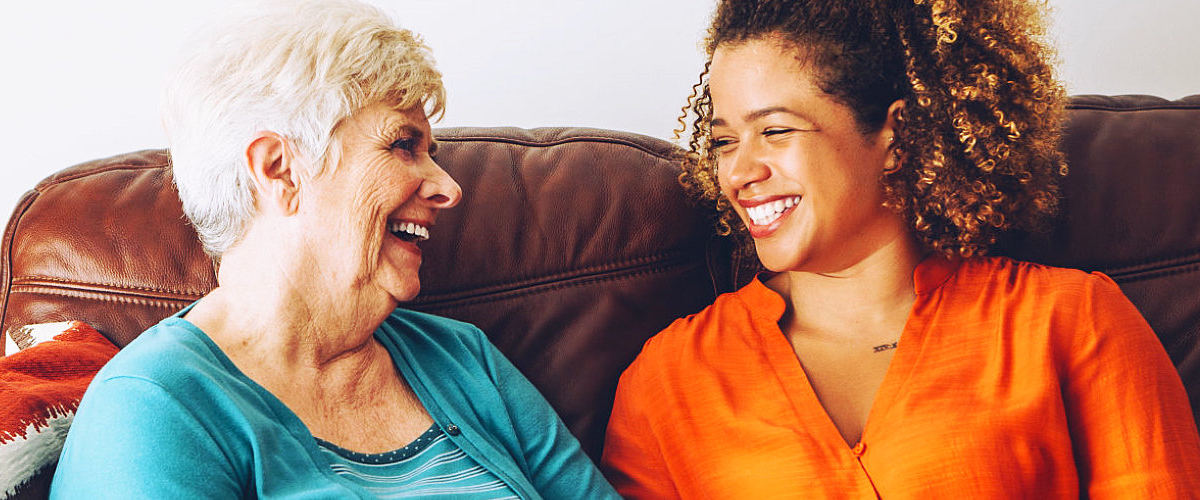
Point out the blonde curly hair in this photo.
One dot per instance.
(977, 139)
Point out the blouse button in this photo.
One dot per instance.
(859, 449)
(453, 430)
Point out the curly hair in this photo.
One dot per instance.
(977, 139)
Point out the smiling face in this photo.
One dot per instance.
(793, 162)
(365, 218)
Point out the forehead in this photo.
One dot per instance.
(381, 118)
(759, 61)
(759, 74)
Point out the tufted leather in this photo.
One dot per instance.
(1131, 209)
(572, 246)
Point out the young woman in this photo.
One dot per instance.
(871, 150)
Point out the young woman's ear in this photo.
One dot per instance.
(891, 129)
(274, 172)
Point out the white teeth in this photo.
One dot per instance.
(412, 228)
(767, 213)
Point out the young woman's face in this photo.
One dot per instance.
(793, 162)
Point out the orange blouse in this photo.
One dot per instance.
(1011, 380)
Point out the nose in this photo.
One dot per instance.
(742, 168)
(439, 189)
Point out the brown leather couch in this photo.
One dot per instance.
(573, 246)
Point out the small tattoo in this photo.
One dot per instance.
(886, 347)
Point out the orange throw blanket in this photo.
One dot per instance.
(40, 388)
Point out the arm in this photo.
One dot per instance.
(558, 467)
(1131, 425)
(632, 459)
(131, 439)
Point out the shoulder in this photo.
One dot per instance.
(683, 332)
(1011, 270)
(721, 326)
(1064, 296)
(1013, 277)
(168, 353)
(435, 343)
(174, 367)
(430, 322)
(418, 329)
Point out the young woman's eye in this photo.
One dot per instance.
(719, 144)
(776, 131)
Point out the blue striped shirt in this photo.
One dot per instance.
(430, 466)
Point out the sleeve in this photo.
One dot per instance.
(632, 458)
(131, 439)
(1131, 425)
(558, 467)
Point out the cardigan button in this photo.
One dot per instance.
(453, 430)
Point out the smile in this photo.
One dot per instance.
(767, 213)
(408, 231)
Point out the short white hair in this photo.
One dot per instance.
(295, 68)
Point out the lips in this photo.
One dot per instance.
(763, 214)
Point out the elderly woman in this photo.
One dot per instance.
(301, 148)
(872, 150)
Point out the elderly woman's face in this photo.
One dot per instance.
(371, 212)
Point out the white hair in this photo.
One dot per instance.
(295, 68)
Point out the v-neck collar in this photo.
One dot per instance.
(768, 308)
(285, 417)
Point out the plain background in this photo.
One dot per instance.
(80, 79)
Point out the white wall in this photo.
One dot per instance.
(79, 79)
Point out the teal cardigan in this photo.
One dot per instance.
(172, 417)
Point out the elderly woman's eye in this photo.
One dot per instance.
(406, 144)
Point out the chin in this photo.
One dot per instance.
(778, 267)
(406, 293)
(774, 261)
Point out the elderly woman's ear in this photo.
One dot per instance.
(275, 173)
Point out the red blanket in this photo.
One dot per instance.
(40, 388)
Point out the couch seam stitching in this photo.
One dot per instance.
(558, 142)
(1160, 273)
(548, 287)
(32, 279)
(52, 181)
(100, 296)
(607, 268)
(1152, 265)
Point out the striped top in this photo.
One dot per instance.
(430, 466)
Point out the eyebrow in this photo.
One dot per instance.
(760, 113)
(418, 134)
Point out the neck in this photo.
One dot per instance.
(270, 306)
(872, 291)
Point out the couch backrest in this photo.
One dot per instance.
(571, 247)
(1132, 211)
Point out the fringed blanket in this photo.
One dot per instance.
(40, 388)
